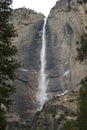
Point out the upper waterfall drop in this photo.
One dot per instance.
(42, 87)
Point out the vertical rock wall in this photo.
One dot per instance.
(66, 23)
(29, 29)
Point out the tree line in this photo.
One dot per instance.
(8, 64)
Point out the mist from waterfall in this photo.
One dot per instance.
(42, 87)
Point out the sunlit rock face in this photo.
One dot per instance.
(66, 23)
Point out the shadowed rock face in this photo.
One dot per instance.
(29, 28)
(63, 30)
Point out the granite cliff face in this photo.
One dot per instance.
(29, 29)
(66, 22)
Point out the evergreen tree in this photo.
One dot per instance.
(8, 64)
(82, 102)
(82, 106)
(69, 125)
(82, 1)
(82, 49)
(3, 122)
(85, 1)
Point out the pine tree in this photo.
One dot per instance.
(82, 1)
(82, 106)
(82, 49)
(3, 122)
(82, 102)
(8, 64)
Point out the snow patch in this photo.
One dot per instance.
(67, 72)
(62, 94)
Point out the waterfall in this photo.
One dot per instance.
(42, 87)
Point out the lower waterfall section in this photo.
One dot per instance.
(42, 87)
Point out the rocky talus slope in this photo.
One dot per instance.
(66, 23)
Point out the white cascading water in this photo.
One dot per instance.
(42, 87)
